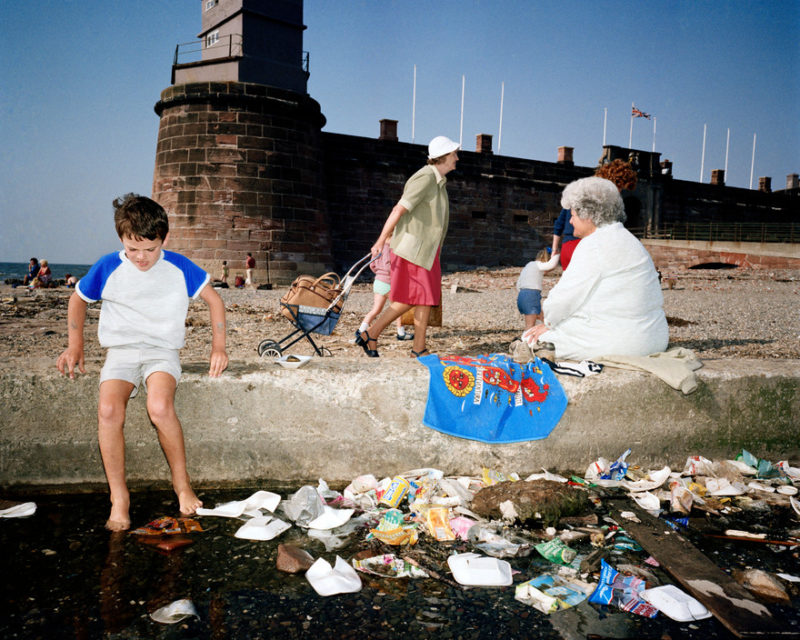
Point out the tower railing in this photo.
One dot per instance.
(229, 46)
(200, 50)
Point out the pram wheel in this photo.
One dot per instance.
(269, 349)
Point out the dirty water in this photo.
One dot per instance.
(65, 576)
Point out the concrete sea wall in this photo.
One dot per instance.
(340, 417)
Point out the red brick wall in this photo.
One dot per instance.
(501, 209)
(238, 169)
(244, 167)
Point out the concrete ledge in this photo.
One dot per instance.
(339, 417)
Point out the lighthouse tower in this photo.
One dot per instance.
(238, 157)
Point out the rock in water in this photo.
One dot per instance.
(293, 559)
(762, 584)
(540, 500)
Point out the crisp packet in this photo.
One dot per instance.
(619, 467)
(391, 520)
(397, 537)
(622, 591)
(389, 566)
(697, 466)
(422, 497)
(788, 470)
(598, 469)
(461, 525)
(549, 593)
(680, 498)
(391, 531)
(437, 519)
(604, 592)
(556, 551)
(490, 477)
(168, 525)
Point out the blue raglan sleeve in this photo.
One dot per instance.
(90, 287)
(195, 277)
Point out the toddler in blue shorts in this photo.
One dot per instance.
(529, 286)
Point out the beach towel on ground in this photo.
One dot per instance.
(492, 398)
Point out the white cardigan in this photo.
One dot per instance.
(608, 301)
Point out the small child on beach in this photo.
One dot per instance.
(380, 288)
(529, 286)
(145, 293)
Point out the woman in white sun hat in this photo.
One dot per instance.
(417, 226)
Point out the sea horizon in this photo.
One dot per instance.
(9, 270)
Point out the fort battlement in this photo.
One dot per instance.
(243, 166)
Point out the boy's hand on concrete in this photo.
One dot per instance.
(219, 362)
(68, 360)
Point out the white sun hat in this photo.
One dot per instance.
(441, 146)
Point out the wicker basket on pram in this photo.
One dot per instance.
(313, 305)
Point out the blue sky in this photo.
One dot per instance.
(80, 80)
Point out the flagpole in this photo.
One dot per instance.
(605, 122)
(414, 105)
(703, 156)
(500, 134)
(630, 135)
(753, 161)
(654, 134)
(727, 148)
(461, 128)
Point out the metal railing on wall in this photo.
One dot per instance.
(724, 232)
(710, 232)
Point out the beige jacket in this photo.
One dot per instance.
(420, 232)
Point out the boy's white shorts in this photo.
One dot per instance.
(134, 364)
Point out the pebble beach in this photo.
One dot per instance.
(715, 313)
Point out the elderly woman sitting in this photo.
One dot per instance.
(609, 300)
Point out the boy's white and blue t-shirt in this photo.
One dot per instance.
(142, 307)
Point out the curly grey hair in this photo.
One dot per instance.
(595, 199)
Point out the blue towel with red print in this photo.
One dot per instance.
(491, 398)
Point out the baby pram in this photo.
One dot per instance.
(307, 319)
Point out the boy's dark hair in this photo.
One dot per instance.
(141, 218)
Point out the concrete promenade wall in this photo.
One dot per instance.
(340, 417)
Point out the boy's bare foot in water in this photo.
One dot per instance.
(119, 519)
(189, 502)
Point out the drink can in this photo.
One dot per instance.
(395, 493)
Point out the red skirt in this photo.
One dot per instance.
(411, 284)
(567, 250)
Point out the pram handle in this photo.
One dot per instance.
(349, 278)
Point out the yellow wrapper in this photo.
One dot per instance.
(490, 477)
(438, 521)
(396, 537)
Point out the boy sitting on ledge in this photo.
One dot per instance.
(145, 294)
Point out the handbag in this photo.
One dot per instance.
(435, 319)
(306, 291)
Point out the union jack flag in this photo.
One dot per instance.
(635, 113)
